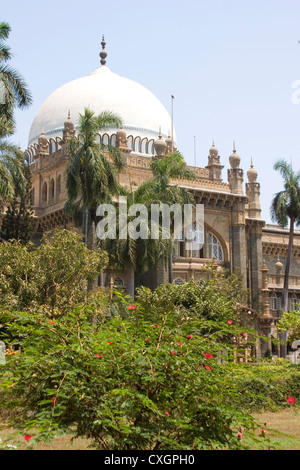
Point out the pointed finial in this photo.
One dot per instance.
(103, 53)
(234, 147)
(251, 166)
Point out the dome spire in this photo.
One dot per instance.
(103, 53)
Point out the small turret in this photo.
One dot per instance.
(235, 174)
(160, 146)
(253, 194)
(69, 128)
(214, 166)
(121, 141)
(43, 145)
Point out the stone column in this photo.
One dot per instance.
(238, 239)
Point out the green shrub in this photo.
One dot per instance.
(125, 383)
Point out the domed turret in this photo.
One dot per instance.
(278, 266)
(43, 144)
(69, 128)
(160, 146)
(234, 159)
(213, 151)
(235, 174)
(252, 174)
(214, 166)
(169, 143)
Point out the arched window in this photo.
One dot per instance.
(275, 302)
(44, 192)
(130, 142)
(178, 281)
(119, 282)
(51, 190)
(293, 304)
(105, 139)
(58, 185)
(195, 240)
(215, 248)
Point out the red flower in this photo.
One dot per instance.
(244, 335)
(173, 353)
(27, 437)
(53, 401)
(131, 307)
(190, 336)
(240, 435)
(51, 322)
(291, 400)
(110, 342)
(208, 355)
(263, 431)
(99, 355)
(179, 343)
(147, 339)
(167, 413)
(229, 322)
(154, 326)
(207, 367)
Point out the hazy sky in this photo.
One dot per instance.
(233, 67)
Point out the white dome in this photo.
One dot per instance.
(142, 113)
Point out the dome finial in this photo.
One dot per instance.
(103, 53)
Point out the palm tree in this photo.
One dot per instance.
(133, 254)
(18, 220)
(285, 209)
(12, 172)
(91, 178)
(161, 190)
(13, 89)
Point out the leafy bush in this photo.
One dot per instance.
(266, 386)
(52, 276)
(125, 382)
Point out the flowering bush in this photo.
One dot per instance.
(124, 382)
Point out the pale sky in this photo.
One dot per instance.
(230, 64)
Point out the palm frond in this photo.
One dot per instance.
(15, 82)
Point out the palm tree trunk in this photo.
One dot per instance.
(286, 284)
(130, 282)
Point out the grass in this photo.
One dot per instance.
(283, 428)
(283, 432)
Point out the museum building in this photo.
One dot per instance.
(235, 236)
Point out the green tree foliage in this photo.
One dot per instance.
(51, 277)
(285, 209)
(217, 296)
(91, 177)
(18, 220)
(290, 321)
(125, 382)
(143, 253)
(14, 91)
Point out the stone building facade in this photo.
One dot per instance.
(235, 236)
